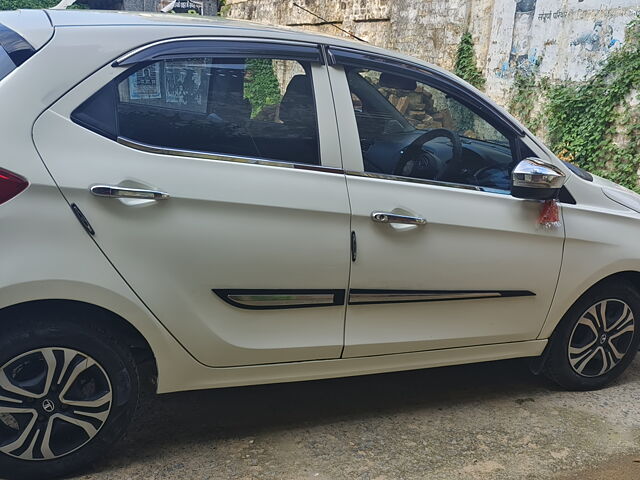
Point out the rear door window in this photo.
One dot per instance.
(248, 107)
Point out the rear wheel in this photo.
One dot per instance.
(597, 339)
(67, 392)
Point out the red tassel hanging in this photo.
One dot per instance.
(549, 214)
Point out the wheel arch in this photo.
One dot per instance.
(630, 277)
(119, 307)
(122, 329)
(556, 315)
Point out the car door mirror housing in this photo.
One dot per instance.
(535, 179)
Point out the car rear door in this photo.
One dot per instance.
(209, 174)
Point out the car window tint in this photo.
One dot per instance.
(6, 64)
(247, 107)
(14, 51)
(408, 128)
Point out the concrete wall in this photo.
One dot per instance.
(560, 39)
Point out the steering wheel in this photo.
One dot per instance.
(427, 161)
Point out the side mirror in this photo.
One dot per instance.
(534, 179)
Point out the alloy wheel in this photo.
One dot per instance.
(52, 402)
(601, 337)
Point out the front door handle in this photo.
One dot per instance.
(114, 191)
(385, 217)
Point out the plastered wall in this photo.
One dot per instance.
(560, 39)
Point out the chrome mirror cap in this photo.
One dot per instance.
(536, 180)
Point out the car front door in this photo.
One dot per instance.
(210, 174)
(446, 257)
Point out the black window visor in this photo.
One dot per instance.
(188, 48)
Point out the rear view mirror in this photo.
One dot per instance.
(388, 80)
(535, 179)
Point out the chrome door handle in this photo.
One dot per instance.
(114, 191)
(384, 217)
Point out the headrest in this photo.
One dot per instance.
(297, 105)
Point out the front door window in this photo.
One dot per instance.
(411, 129)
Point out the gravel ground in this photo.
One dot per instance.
(488, 421)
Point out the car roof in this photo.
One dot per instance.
(218, 25)
(76, 18)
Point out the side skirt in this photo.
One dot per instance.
(209, 377)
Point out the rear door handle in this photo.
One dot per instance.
(386, 217)
(114, 191)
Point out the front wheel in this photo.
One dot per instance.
(597, 339)
(67, 392)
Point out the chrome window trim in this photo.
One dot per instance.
(398, 178)
(176, 152)
(123, 58)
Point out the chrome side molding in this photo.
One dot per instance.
(264, 299)
(257, 299)
(369, 297)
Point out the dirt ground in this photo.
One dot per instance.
(489, 421)
(619, 468)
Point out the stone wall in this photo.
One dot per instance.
(560, 39)
(200, 7)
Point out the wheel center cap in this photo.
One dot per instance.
(48, 406)
(603, 338)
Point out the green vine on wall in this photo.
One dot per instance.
(261, 85)
(15, 4)
(594, 124)
(525, 100)
(465, 66)
(223, 8)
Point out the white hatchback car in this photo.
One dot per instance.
(230, 204)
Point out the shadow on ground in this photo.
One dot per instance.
(466, 419)
(244, 411)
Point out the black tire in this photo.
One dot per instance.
(71, 346)
(572, 369)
